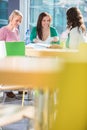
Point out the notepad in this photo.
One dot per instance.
(38, 45)
(43, 46)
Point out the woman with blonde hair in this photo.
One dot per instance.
(10, 32)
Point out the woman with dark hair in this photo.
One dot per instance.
(76, 27)
(43, 32)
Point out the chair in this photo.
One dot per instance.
(2, 55)
(2, 49)
(72, 106)
(70, 109)
(40, 73)
(83, 50)
(13, 49)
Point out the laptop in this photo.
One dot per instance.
(15, 48)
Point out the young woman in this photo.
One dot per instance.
(43, 32)
(76, 26)
(10, 33)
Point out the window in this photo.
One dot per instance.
(57, 9)
(3, 12)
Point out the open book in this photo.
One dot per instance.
(43, 46)
(38, 45)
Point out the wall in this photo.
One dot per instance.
(12, 4)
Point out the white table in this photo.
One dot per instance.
(29, 71)
(36, 51)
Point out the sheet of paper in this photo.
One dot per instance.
(38, 45)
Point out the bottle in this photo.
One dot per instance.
(27, 37)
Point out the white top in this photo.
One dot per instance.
(76, 38)
(47, 41)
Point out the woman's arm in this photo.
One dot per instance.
(2, 34)
(54, 34)
(33, 34)
(55, 39)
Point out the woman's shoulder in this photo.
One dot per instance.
(76, 30)
(53, 31)
(34, 28)
(52, 28)
(4, 28)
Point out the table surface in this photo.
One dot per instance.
(35, 50)
(30, 71)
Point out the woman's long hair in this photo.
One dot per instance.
(39, 24)
(75, 19)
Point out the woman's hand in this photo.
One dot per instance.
(35, 40)
(55, 39)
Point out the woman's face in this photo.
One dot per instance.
(46, 22)
(15, 22)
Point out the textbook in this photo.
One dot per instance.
(43, 46)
